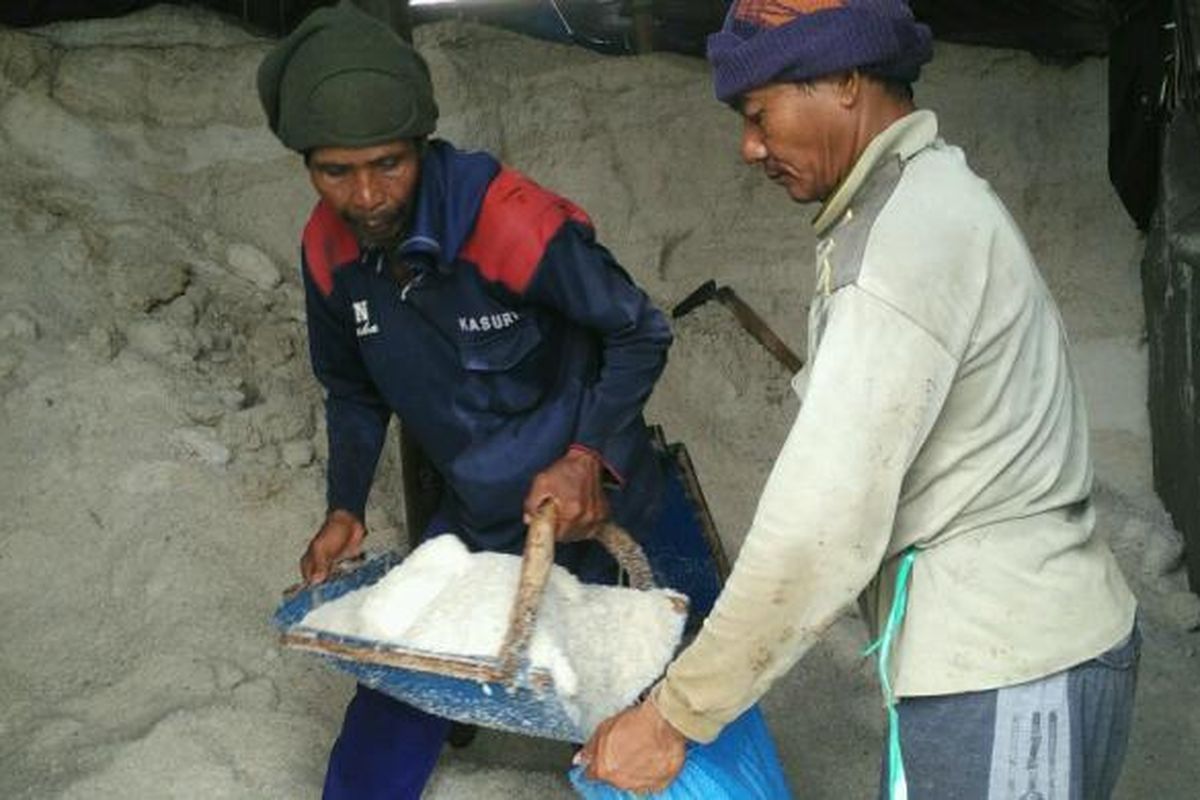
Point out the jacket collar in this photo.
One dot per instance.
(903, 139)
(452, 187)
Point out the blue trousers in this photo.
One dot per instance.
(387, 749)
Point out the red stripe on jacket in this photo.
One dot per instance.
(515, 224)
(328, 245)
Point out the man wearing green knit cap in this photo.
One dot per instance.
(938, 470)
(343, 79)
(478, 307)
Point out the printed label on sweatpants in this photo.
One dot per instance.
(1031, 751)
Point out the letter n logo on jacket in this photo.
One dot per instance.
(362, 319)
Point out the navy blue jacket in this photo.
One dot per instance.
(517, 337)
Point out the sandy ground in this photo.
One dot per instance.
(160, 437)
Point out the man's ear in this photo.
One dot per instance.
(850, 88)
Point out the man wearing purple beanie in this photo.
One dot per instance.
(938, 470)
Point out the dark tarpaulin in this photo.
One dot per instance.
(1065, 28)
(1131, 33)
(1137, 71)
(1170, 271)
(603, 25)
(275, 16)
(39, 12)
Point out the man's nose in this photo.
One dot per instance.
(366, 194)
(753, 149)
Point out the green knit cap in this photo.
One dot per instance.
(344, 79)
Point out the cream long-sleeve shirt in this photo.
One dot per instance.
(940, 411)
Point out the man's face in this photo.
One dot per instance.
(371, 188)
(801, 135)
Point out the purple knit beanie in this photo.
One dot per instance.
(772, 40)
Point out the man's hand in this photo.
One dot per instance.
(637, 750)
(573, 484)
(340, 537)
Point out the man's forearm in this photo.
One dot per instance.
(825, 519)
(632, 362)
(581, 280)
(798, 568)
(356, 435)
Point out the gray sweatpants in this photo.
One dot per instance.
(1061, 737)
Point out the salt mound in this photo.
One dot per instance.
(400, 597)
(603, 645)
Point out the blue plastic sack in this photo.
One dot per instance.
(740, 764)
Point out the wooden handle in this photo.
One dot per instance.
(760, 330)
(629, 555)
(536, 562)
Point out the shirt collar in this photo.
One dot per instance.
(904, 138)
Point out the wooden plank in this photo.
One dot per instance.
(482, 670)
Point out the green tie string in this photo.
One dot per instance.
(884, 645)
